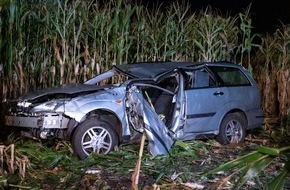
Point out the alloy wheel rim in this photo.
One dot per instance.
(234, 131)
(96, 139)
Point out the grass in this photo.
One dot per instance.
(52, 165)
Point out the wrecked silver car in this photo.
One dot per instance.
(165, 100)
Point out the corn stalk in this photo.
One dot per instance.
(215, 37)
(283, 74)
(66, 42)
(247, 38)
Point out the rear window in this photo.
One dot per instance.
(231, 76)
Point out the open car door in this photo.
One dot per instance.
(143, 118)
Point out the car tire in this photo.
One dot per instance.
(232, 129)
(94, 135)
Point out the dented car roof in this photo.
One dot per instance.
(150, 69)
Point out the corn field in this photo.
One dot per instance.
(273, 73)
(52, 42)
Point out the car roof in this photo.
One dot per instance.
(152, 69)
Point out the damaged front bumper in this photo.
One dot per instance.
(45, 121)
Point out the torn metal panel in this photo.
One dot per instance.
(143, 118)
(158, 136)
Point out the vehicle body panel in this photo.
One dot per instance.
(202, 105)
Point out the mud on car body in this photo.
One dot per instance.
(165, 100)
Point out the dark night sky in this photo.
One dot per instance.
(266, 15)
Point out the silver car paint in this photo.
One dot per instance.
(157, 134)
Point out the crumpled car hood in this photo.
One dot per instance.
(67, 89)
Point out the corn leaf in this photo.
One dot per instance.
(185, 146)
(199, 45)
(3, 181)
(278, 182)
(251, 157)
(253, 169)
(272, 151)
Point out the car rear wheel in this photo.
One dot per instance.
(94, 135)
(232, 129)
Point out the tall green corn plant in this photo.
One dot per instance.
(247, 37)
(127, 31)
(19, 64)
(14, 14)
(229, 38)
(208, 40)
(62, 19)
(79, 41)
(169, 32)
(94, 35)
(110, 30)
(6, 46)
(121, 24)
(154, 34)
(179, 24)
(42, 65)
(122, 27)
(115, 35)
(8, 14)
(186, 33)
(35, 42)
(139, 33)
(102, 29)
(217, 37)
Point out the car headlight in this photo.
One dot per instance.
(47, 106)
(23, 104)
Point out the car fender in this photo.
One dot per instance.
(111, 101)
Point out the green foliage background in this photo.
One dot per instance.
(46, 43)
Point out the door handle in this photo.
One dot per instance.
(218, 93)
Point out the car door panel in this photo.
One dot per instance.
(202, 105)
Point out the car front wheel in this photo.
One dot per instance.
(94, 135)
(232, 129)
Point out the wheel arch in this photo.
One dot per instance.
(241, 113)
(233, 111)
(101, 114)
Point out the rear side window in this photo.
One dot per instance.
(200, 79)
(231, 76)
